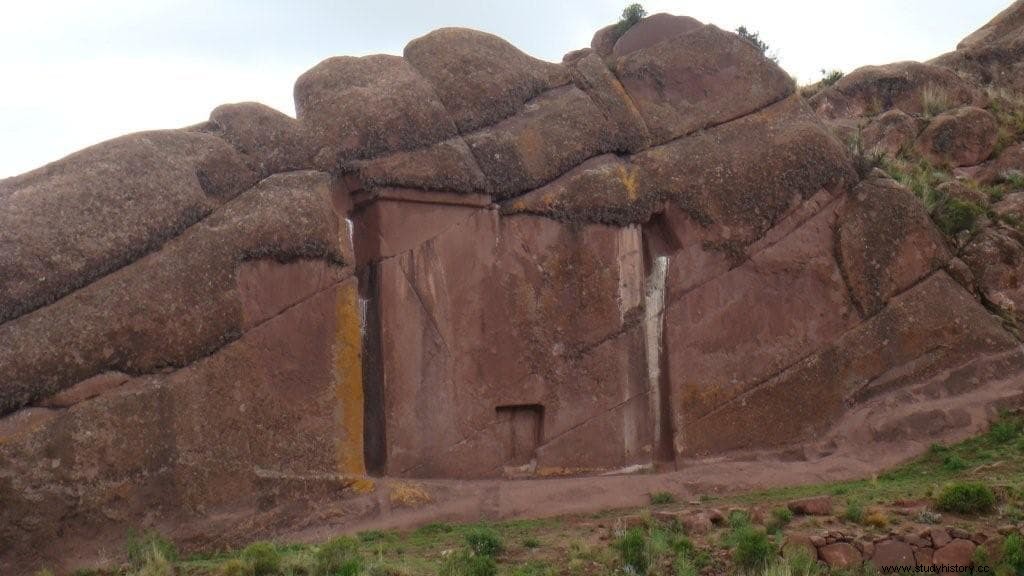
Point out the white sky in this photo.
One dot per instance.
(76, 72)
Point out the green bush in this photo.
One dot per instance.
(854, 511)
(780, 517)
(339, 557)
(141, 547)
(830, 77)
(630, 15)
(635, 550)
(955, 215)
(263, 557)
(1004, 430)
(966, 498)
(484, 542)
(753, 551)
(755, 39)
(660, 498)
(1013, 553)
(953, 462)
(465, 563)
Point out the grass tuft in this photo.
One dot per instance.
(966, 498)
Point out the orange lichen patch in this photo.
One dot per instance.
(629, 182)
(408, 494)
(348, 380)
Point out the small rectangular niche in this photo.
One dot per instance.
(520, 432)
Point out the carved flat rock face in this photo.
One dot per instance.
(465, 262)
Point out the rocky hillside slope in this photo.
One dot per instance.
(464, 263)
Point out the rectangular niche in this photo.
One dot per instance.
(520, 432)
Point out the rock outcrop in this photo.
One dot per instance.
(468, 263)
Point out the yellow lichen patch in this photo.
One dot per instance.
(556, 471)
(348, 380)
(364, 485)
(629, 182)
(408, 494)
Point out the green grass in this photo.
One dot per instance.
(590, 544)
(662, 498)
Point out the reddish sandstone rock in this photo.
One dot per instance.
(604, 40)
(271, 141)
(629, 132)
(653, 29)
(447, 166)
(127, 197)
(939, 537)
(871, 90)
(1011, 207)
(1009, 161)
(354, 108)
(959, 552)
(996, 256)
(964, 137)
(992, 54)
(818, 506)
(890, 133)
(557, 131)
(699, 79)
(886, 243)
(840, 555)
(890, 553)
(800, 542)
(480, 78)
(153, 313)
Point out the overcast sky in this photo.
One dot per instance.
(76, 72)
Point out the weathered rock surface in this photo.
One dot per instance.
(199, 335)
(127, 197)
(904, 86)
(963, 137)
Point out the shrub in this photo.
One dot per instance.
(465, 563)
(630, 15)
(660, 498)
(934, 100)
(755, 39)
(634, 550)
(684, 566)
(800, 561)
(155, 563)
(301, 563)
(484, 542)
(263, 557)
(234, 567)
(339, 557)
(877, 519)
(966, 498)
(980, 558)
(954, 215)
(753, 551)
(1013, 552)
(854, 511)
(780, 517)
(953, 462)
(1004, 431)
(140, 548)
(830, 77)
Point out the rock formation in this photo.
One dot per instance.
(466, 263)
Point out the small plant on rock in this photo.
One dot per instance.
(662, 498)
(966, 498)
(263, 557)
(854, 511)
(484, 542)
(630, 15)
(755, 39)
(934, 100)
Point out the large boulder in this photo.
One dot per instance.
(153, 314)
(996, 257)
(699, 79)
(992, 54)
(890, 133)
(354, 108)
(70, 222)
(272, 142)
(653, 29)
(886, 243)
(907, 86)
(480, 78)
(963, 137)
